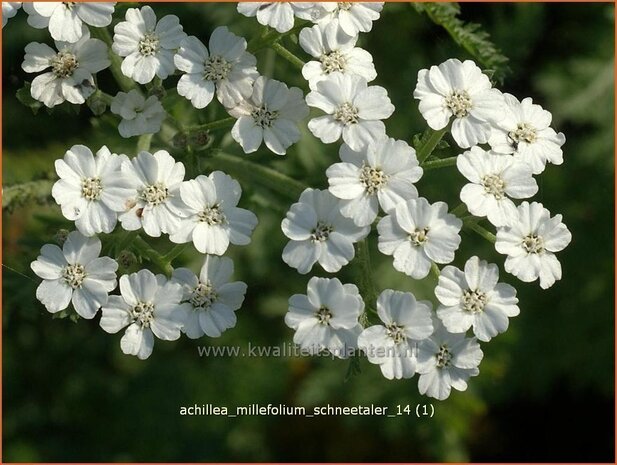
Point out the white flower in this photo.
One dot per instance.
(326, 318)
(157, 207)
(75, 274)
(531, 242)
(319, 233)
(335, 51)
(150, 306)
(213, 298)
(416, 233)
(211, 219)
(354, 110)
(525, 132)
(475, 298)
(446, 361)
(228, 68)
(279, 15)
(149, 46)
(353, 17)
(72, 68)
(463, 91)
(271, 114)
(91, 190)
(495, 180)
(9, 9)
(392, 346)
(139, 115)
(381, 173)
(66, 20)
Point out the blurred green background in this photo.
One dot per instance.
(546, 387)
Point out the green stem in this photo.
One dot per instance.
(286, 54)
(460, 209)
(441, 163)
(270, 36)
(489, 236)
(366, 283)
(125, 83)
(175, 252)
(143, 143)
(257, 173)
(425, 150)
(156, 258)
(435, 270)
(218, 124)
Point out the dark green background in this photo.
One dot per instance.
(545, 391)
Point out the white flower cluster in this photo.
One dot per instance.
(145, 193)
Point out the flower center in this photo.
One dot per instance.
(474, 301)
(154, 194)
(143, 313)
(74, 275)
(321, 232)
(396, 333)
(91, 188)
(459, 103)
(149, 44)
(264, 117)
(323, 315)
(444, 356)
(69, 5)
(373, 179)
(216, 68)
(419, 236)
(64, 64)
(344, 5)
(333, 61)
(494, 185)
(212, 215)
(523, 133)
(346, 113)
(203, 296)
(533, 243)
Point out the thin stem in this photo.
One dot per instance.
(143, 143)
(218, 124)
(156, 258)
(489, 236)
(124, 82)
(257, 173)
(460, 209)
(425, 150)
(365, 276)
(290, 57)
(175, 252)
(441, 163)
(270, 36)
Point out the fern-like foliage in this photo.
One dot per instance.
(470, 36)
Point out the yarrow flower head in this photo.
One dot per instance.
(319, 233)
(139, 115)
(446, 361)
(392, 345)
(211, 219)
(381, 173)
(417, 233)
(150, 306)
(66, 20)
(75, 274)
(279, 15)
(525, 132)
(352, 17)
(475, 298)
(353, 110)
(71, 69)
(214, 300)
(326, 318)
(270, 115)
(462, 91)
(147, 45)
(91, 190)
(157, 206)
(531, 243)
(495, 180)
(9, 9)
(335, 51)
(227, 67)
